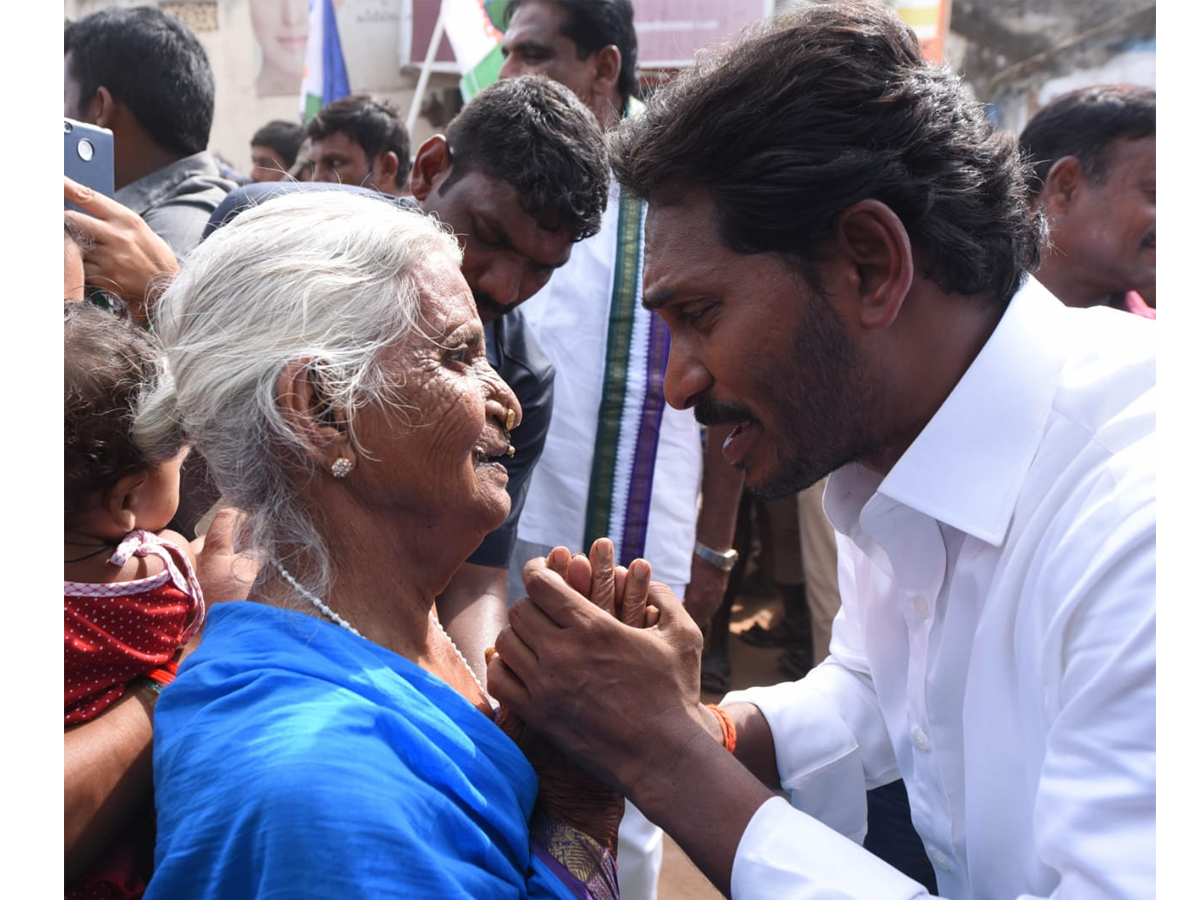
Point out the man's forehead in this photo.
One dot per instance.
(536, 21)
(335, 141)
(672, 216)
(491, 202)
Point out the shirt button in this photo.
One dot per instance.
(921, 606)
(940, 860)
(920, 739)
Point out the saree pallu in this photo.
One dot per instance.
(295, 759)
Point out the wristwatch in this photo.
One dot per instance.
(723, 560)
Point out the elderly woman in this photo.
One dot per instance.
(327, 739)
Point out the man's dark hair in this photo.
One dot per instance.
(1085, 123)
(592, 24)
(538, 136)
(107, 363)
(820, 109)
(151, 62)
(283, 137)
(373, 124)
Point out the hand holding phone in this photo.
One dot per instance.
(125, 256)
(88, 156)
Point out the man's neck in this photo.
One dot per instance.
(1065, 284)
(938, 341)
(136, 154)
(609, 112)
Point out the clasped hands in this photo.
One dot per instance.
(604, 663)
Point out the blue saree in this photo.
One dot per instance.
(294, 759)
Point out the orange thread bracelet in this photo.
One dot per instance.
(728, 731)
(164, 674)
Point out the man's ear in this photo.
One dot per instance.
(872, 239)
(121, 500)
(102, 108)
(387, 170)
(1062, 185)
(320, 426)
(430, 168)
(607, 67)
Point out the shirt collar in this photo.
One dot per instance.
(149, 190)
(967, 465)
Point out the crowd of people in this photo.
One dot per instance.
(407, 488)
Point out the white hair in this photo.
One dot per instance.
(323, 276)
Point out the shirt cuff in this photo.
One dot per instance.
(785, 853)
(816, 754)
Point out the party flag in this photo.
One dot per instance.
(325, 76)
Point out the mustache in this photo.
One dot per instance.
(710, 411)
(484, 302)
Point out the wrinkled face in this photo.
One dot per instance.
(338, 159)
(1109, 230)
(753, 343)
(267, 164)
(535, 45)
(507, 256)
(438, 451)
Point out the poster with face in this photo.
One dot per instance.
(281, 32)
(370, 32)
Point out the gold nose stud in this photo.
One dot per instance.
(510, 419)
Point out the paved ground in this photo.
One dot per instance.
(680, 880)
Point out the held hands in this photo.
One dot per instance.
(620, 592)
(126, 256)
(565, 791)
(618, 695)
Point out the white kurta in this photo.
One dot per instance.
(569, 317)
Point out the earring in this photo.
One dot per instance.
(341, 467)
(510, 419)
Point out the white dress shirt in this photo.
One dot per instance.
(996, 644)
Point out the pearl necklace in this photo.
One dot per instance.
(325, 610)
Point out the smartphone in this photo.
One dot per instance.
(88, 156)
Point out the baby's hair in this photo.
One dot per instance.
(108, 363)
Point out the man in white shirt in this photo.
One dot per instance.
(838, 238)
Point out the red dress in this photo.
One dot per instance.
(114, 633)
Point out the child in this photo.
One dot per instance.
(132, 599)
(131, 596)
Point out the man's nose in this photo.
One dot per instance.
(511, 68)
(502, 282)
(687, 379)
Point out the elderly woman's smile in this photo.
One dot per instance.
(438, 444)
